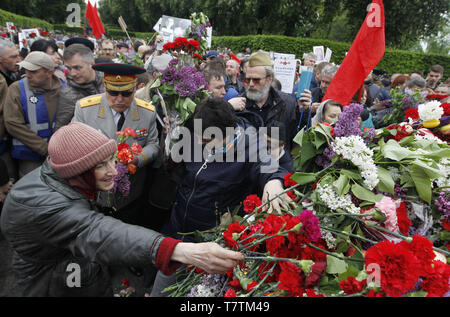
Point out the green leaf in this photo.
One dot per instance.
(342, 185)
(335, 265)
(319, 140)
(392, 150)
(299, 137)
(304, 178)
(429, 170)
(422, 182)
(308, 152)
(352, 174)
(365, 194)
(417, 294)
(386, 183)
(156, 84)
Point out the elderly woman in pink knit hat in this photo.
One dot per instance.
(63, 245)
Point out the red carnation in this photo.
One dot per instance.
(124, 156)
(13, 27)
(400, 269)
(251, 202)
(404, 223)
(198, 56)
(291, 279)
(136, 149)
(436, 97)
(412, 113)
(122, 146)
(228, 235)
(372, 293)
(446, 107)
(230, 293)
(422, 248)
(130, 132)
(251, 286)
(193, 44)
(352, 286)
(288, 182)
(168, 46)
(125, 283)
(312, 293)
(445, 225)
(272, 226)
(436, 281)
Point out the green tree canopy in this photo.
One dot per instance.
(52, 11)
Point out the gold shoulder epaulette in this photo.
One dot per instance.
(144, 104)
(90, 101)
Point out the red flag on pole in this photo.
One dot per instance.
(364, 55)
(94, 20)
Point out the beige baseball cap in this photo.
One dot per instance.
(37, 60)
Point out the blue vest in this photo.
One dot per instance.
(36, 118)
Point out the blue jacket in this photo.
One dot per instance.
(206, 193)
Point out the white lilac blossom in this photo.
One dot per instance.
(444, 167)
(327, 235)
(354, 149)
(211, 286)
(431, 111)
(333, 201)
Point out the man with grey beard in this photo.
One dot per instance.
(271, 104)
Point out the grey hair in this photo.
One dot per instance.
(269, 71)
(330, 70)
(310, 56)
(4, 44)
(236, 64)
(416, 81)
(83, 50)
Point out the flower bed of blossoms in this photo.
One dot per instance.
(371, 218)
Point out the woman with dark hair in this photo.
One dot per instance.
(50, 48)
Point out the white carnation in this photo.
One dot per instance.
(430, 111)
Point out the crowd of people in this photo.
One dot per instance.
(62, 101)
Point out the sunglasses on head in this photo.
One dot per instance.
(115, 93)
(255, 80)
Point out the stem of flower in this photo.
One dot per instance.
(336, 256)
(446, 253)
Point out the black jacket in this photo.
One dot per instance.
(283, 107)
(211, 189)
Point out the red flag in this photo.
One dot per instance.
(94, 21)
(364, 55)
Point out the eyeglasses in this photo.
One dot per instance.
(255, 80)
(115, 93)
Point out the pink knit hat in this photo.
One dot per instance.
(76, 148)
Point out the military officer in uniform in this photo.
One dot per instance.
(113, 111)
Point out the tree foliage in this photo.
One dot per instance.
(52, 11)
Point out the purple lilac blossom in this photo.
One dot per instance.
(443, 204)
(121, 180)
(348, 123)
(324, 160)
